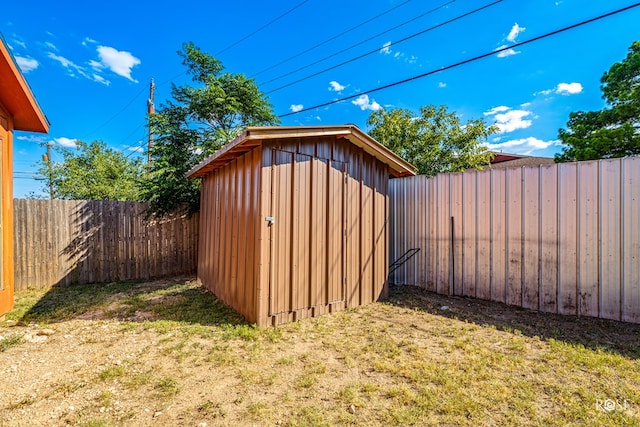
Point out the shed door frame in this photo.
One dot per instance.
(333, 291)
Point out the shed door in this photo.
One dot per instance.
(307, 259)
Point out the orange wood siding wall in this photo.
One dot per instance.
(228, 246)
(6, 132)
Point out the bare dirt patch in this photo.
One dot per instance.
(168, 353)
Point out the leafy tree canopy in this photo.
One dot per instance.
(195, 123)
(434, 141)
(615, 130)
(92, 172)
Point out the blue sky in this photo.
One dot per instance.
(90, 65)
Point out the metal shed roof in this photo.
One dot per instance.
(253, 136)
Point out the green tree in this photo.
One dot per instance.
(93, 172)
(197, 121)
(433, 141)
(615, 130)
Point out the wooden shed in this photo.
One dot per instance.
(18, 111)
(293, 221)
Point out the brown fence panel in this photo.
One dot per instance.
(556, 238)
(74, 242)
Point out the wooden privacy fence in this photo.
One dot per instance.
(74, 242)
(560, 238)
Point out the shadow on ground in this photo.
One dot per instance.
(174, 299)
(597, 334)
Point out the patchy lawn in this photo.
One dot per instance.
(167, 353)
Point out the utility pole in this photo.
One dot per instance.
(47, 159)
(150, 111)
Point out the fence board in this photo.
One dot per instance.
(531, 237)
(469, 234)
(567, 236)
(610, 255)
(499, 234)
(556, 238)
(631, 227)
(483, 236)
(514, 236)
(63, 242)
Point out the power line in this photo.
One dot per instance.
(457, 18)
(359, 44)
(135, 150)
(131, 133)
(284, 61)
(116, 114)
(262, 28)
(181, 73)
(469, 60)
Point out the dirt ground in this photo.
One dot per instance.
(167, 353)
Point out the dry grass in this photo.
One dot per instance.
(168, 353)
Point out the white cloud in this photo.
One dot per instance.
(33, 138)
(296, 107)
(50, 45)
(524, 146)
(386, 48)
(62, 60)
(71, 66)
(568, 88)
(512, 120)
(412, 59)
(96, 65)
(494, 110)
(101, 79)
(20, 43)
(508, 120)
(442, 84)
(398, 55)
(363, 102)
(65, 142)
(120, 62)
(88, 40)
(544, 92)
(562, 89)
(335, 86)
(137, 149)
(506, 52)
(515, 31)
(26, 64)
(525, 105)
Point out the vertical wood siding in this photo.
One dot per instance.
(64, 242)
(556, 238)
(6, 212)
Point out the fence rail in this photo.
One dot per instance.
(560, 238)
(75, 242)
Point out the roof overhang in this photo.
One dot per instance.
(254, 136)
(16, 96)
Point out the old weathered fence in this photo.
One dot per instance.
(561, 238)
(75, 242)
